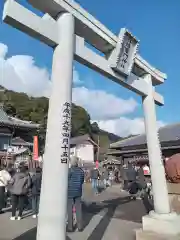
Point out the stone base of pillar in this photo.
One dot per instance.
(145, 235)
(159, 227)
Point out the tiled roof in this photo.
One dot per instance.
(12, 121)
(166, 134)
(19, 141)
(23, 123)
(3, 116)
(14, 153)
(20, 151)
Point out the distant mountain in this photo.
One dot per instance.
(112, 137)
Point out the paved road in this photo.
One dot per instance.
(109, 215)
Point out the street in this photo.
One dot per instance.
(109, 215)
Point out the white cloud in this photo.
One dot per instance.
(76, 78)
(20, 73)
(102, 105)
(3, 50)
(125, 126)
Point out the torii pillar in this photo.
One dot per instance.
(161, 221)
(53, 206)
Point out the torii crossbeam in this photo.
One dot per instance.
(66, 27)
(45, 29)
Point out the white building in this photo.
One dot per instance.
(84, 148)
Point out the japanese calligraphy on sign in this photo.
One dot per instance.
(66, 128)
(125, 50)
(124, 54)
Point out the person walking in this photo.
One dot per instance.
(111, 177)
(5, 178)
(123, 172)
(141, 180)
(19, 186)
(35, 190)
(94, 179)
(132, 183)
(106, 177)
(131, 173)
(116, 175)
(75, 183)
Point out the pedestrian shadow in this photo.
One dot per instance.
(120, 208)
(148, 204)
(8, 209)
(93, 209)
(132, 210)
(89, 210)
(30, 235)
(27, 214)
(100, 229)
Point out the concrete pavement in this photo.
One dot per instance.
(109, 215)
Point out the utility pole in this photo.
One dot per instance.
(2, 97)
(97, 157)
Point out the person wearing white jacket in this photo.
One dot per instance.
(5, 177)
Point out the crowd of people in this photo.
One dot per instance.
(21, 188)
(103, 178)
(135, 180)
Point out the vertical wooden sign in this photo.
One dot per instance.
(35, 149)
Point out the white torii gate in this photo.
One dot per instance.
(66, 27)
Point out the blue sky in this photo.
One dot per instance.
(155, 23)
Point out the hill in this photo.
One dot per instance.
(35, 110)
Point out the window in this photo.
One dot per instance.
(4, 141)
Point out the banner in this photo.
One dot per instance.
(97, 164)
(35, 149)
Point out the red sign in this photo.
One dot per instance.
(35, 149)
(146, 170)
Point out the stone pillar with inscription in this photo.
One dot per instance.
(53, 201)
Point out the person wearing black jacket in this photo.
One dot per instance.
(19, 186)
(132, 183)
(35, 190)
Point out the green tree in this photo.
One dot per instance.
(80, 121)
(36, 110)
(95, 127)
(10, 109)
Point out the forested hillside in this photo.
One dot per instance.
(35, 110)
